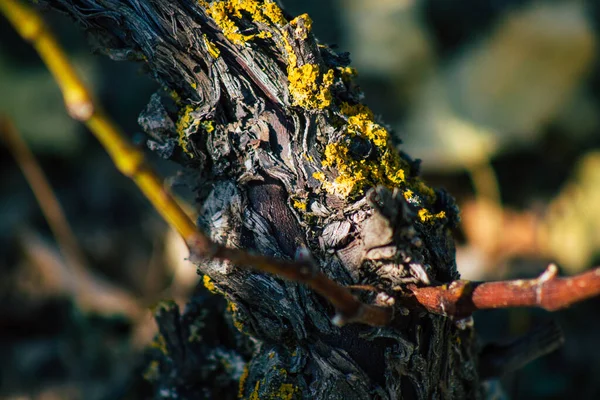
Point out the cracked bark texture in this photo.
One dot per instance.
(260, 152)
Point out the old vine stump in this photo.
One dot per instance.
(287, 160)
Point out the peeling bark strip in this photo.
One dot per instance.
(291, 165)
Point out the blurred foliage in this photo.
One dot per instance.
(511, 84)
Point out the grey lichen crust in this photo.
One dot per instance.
(287, 159)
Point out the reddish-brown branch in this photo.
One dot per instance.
(461, 298)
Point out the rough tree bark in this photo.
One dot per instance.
(288, 162)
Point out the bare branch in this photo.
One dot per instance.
(461, 298)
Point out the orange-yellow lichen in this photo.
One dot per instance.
(187, 120)
(220, 11)
(300, 205)
(210, 46)
(354, 175)
(175, 96)
(306, 90)
(208, 126)
(254, 395)
(233, 309)
(242, 383)
(231, 306)
(272, 11)
(238, 325)
(408, 194)
(209, 284)
(302, 33)
(160, 344)
(426, 216)
(183, 123)
(286, 391)
(152, 373)
(224, 12)
(347, 73)
(308, 157)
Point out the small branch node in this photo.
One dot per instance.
(464, 323)
(307, 266)
(550, 273)
(338, 320)
(384, 299)
(80, 110)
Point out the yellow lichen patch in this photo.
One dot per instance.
(408, 195)
(319, 176)
(254, 395)
(208, 126)
(210, 46)
(160, 344)
(242, 383)
(302, 34)
(233, 309)
(238, 325)
(231, 306)
(272, 11)
(426, 216)
(286, 392)
(300, 205)
(224, 12)
(220, 11)
(209, 284)
(175, 96)
(152, 373)
(184, 122)
(306, 90)
(292, 59)
(308, 157)
(347, 73)
(354, 175)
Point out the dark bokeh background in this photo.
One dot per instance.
(500, 99)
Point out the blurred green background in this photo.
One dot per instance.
(499, 99)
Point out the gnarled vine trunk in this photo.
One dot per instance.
(288, 162)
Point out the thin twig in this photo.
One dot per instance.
(131, 162)
(44, 194)
(460, 299)
(91, 292)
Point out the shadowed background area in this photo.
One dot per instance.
(499, 99)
